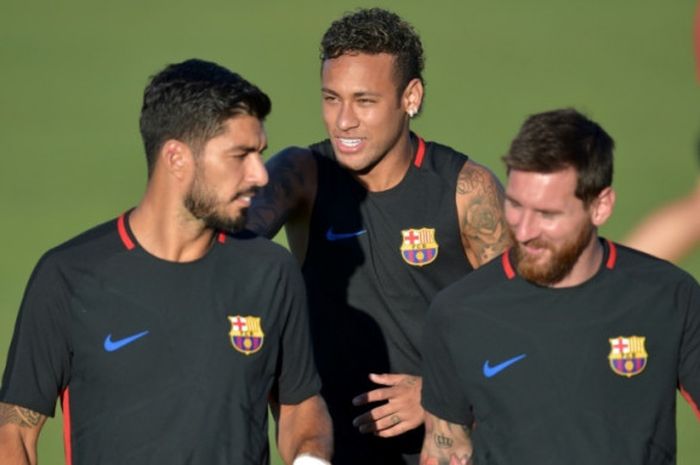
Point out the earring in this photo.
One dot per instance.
(411, 112)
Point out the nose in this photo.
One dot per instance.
(347, 119)
(256, 171)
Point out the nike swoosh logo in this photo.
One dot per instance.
(331, 236)
(111, 346)
(491, 371)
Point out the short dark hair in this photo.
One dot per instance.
(190, 101)
(373, 31)
(559, 139)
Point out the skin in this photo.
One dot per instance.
(366, 118)
(304, 428)
(445, 443)
(542, 208)
(19, 433)
(672, 231)
(223, 177)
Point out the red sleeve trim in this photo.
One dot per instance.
(420, 153)
(612, 255)
(123, 234)
(67, 445)
(690, 400)
(507, 266)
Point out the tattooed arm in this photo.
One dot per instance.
(480, 209)
(304, 428)
(287, 199)
(19, 431)
(445, 443)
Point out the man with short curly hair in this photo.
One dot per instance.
(381, 220)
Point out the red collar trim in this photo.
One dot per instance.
(129, 243)
(420, 153)
(507, 266)
(612, 255)
(123, 233)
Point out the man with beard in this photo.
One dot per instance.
(163, 335)
(381, 220)
(569, 348)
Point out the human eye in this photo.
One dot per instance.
(329, 98)
(366, 101)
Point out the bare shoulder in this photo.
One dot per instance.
(288, 194)
(479, 199)
(11, 414)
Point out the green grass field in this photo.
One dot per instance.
(72, 74)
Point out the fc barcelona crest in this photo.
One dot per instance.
(628, 356)
(246, 334)
(419, 247)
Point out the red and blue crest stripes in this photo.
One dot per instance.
(628, 355)
(246, 333)
(418, 246)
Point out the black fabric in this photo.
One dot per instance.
(181, 393)
(367, 304)
(563, 402)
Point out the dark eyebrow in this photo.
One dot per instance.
(355, 95)
(246, 149)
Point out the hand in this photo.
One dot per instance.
(402, 411)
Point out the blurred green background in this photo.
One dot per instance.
(72, 75)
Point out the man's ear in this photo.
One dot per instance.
(412, 97)
(176, 158)
(602, 207)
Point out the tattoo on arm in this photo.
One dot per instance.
(13, 414)
(445, 443)
(480, 203)
(282, 196)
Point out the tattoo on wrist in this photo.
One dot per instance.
(442, 441)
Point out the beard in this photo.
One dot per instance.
(561, 262)
(201, 202)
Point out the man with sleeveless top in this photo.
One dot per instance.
(380, 220)
(163, 335)
(569, 348)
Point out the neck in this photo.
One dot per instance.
(586, 266)
(391, 169)
(166, 230)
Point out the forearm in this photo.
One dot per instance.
(305, 428)
(445, 443)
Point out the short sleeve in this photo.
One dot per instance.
(442, 395)
(297, 377)
(37, 368)
(689, 360)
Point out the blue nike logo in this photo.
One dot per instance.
(111, 346)
(491, 371)
(331, 236)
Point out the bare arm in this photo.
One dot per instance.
(671, 231)
(480, 209)
(304, 428)
(445, 443)
(19, 432)
(287, 199)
